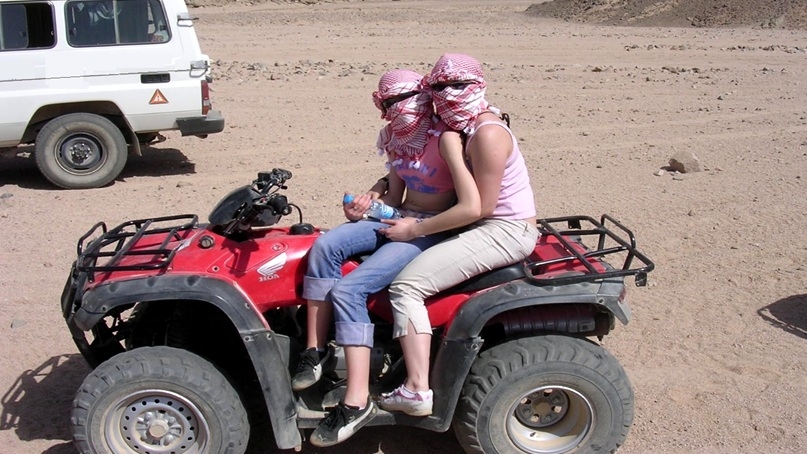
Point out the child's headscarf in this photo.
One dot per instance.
(409, 119)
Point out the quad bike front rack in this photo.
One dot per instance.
(105, 252)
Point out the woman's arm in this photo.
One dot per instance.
(468, 208)
(488, 152)
(465, 211)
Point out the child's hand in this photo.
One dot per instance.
(355, 209)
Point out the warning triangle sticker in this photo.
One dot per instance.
(158, 98)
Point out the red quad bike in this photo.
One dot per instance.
(194, 328)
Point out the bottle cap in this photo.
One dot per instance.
(347, 199)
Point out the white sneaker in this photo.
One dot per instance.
(412, 403)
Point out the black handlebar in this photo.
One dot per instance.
(265, 206)
(274, 179)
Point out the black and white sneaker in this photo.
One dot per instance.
(341, 423)
(310, 368)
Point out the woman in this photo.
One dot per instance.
(504, 232)
(434, 176)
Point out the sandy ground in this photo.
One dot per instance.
(717, 348)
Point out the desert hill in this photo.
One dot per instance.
(679, 13)
(781, 14)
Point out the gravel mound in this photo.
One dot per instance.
(678, 13)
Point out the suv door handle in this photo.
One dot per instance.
(160, 78)
(185, 20)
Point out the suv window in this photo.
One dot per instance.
(114, 22)
(26, 26)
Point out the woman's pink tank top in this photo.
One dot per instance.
(516, 200)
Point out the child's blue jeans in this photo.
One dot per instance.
(324, 281)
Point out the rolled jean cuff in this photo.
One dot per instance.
(317, 288)
(353, 334)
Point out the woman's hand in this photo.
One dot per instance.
(403, 229)
(355, 209)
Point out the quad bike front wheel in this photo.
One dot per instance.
(158, 400)
(545, 395)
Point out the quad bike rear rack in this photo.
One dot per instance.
(581, 263)
(118, 242)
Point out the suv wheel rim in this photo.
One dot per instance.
(80, 153)
(550, 419)
(156, 421)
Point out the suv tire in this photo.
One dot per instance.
(80, 151)
(548, 394)
(158, 400)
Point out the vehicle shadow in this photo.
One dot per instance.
(789, 314)
(38, 404)
(394, 440)
(155, 162)
(18, 167)
(376, 440)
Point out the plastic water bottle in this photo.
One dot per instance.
(377, 210)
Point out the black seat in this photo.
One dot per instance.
(482, 281)
(489, 279)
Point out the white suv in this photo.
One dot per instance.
(85, 80)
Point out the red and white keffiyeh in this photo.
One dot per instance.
(410, 119)
(458, 90)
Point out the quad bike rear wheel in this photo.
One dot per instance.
(541, 395)
(158, 400)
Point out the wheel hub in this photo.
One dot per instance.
(542, 409)
(158, 428)
(550, 420)
(81, 152)
(157, 421)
